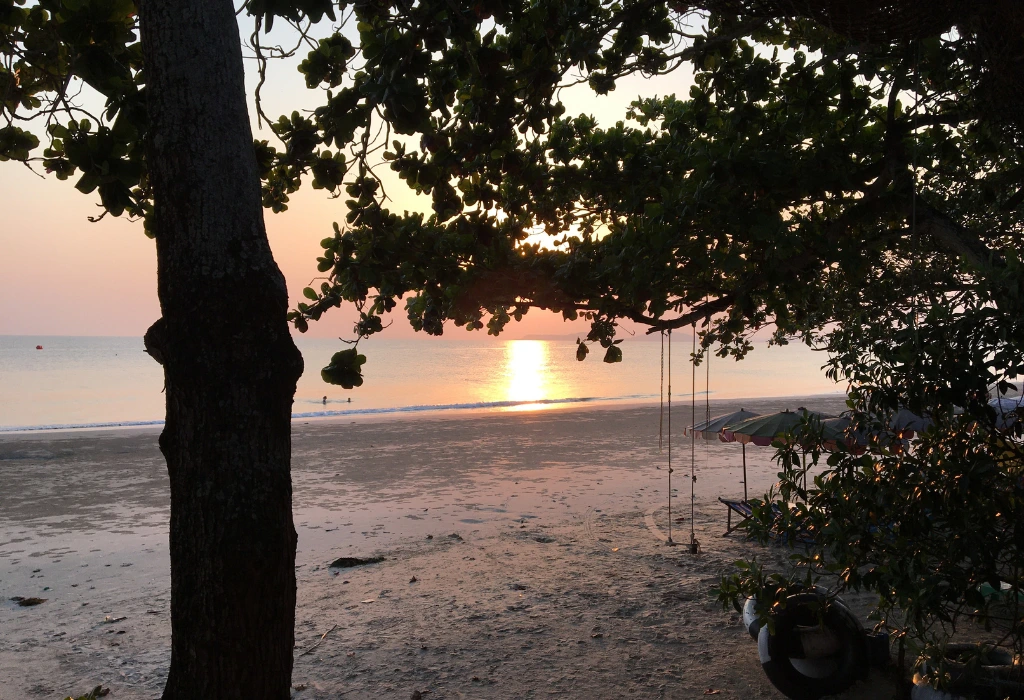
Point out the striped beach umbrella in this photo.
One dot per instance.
(764, 430)
(905, 423)
(719, 427)
(839, 430)
(710, 430)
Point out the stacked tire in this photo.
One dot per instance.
(818, 647)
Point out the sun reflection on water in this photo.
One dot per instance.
(527, 373)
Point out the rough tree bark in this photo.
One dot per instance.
(230, 366)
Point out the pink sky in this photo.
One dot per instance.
(62, 275)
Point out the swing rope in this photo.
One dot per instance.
(707, 388)
(661, 389)
(707, 406)
(670, 540)
(915, 249)
(693, 438)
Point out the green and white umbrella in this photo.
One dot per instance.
(720, 427)
(709, 430)
(905, 423)
(839, 430)
(764, 430)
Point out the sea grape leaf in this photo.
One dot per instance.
(345, 369)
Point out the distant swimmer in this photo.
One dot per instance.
(325, 401)
(350, 399)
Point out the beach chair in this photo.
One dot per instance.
(746, 511)
(741, 508)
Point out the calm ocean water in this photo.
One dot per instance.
(98, 382)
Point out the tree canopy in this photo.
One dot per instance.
(824, 154)
(861, 190)
(849, 172)
(794, 154)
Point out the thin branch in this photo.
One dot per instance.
(320, 641)
(1014, 201)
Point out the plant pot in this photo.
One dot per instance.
(998, 676)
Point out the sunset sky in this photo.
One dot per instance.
(62, 275)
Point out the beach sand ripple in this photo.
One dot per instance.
(523, 557)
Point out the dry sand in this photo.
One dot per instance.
(524, 557)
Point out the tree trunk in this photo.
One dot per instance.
(230, 366)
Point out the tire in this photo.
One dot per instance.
(877, 645)
(805, 660)
(748, 611)
(750, 621)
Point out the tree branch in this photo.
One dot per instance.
(704, 311)
(1014, 201)
(955, 239)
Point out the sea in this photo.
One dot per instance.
(76, 382)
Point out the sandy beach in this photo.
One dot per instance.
(524, 557)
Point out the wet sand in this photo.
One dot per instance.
(525, 557)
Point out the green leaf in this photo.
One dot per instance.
(94, 694)
(87, 183)
(345, 369)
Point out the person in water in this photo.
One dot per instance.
(325, 401)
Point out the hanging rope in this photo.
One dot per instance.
(693, 439)
(915, 249)
(670, 541)
(661, 389)
(707, 406)
(707, 389)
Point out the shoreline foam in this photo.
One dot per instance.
(454, 409)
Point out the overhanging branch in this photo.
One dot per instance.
(704, 311)
(955, 239)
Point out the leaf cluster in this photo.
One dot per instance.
(781, 190)
(49, 52)
(928, 521)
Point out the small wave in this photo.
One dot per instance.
(348, 412)
(78, 426)
(466, 406)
